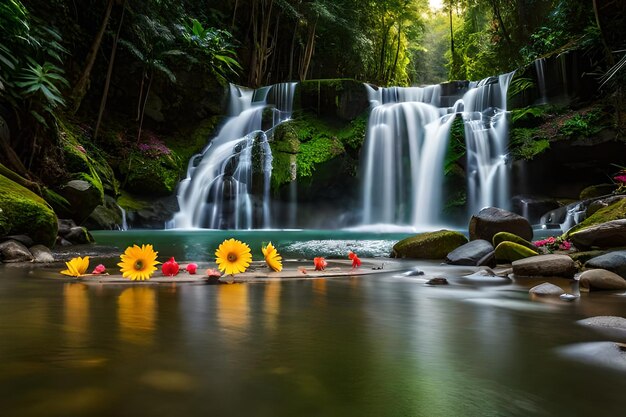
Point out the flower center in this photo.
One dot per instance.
(232, 257)
(138, 265)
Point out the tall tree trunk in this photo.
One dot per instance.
(232, 25)
(292, 51)
(143, 79)
(143, 107)
(80, 89)
(451, 35)
(496, 11)
(305, 60)
(395, 61)
(107, 83)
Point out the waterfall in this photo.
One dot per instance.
(405, 147)
(228, 184)
(540, 69)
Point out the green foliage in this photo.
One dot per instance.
(211, 47)
(526, 143)
(315, 151)
(518, 85)
(582, 124)
(529, 114)
(456, 145)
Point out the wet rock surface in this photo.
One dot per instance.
(492, 220)
(546, 289)
(612, 261)
(545, 266)
(601, 279)
(471, 253)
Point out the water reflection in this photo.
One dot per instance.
(136, 312)
(271, 305)
(76, 313)
(233, 311)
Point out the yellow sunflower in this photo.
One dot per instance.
(233, 257)
(272, 258)
(76, 266)
(138, 263)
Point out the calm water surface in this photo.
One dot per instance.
(379, 345)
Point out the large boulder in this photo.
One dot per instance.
(511, 251)
(601, 279)
(471, 253)
(24, 212)
(83, 195)
(545, 266)
(105, 217)
(604, 235)
(430, 245)
(492, 220)
(612, 261)
(615, 211)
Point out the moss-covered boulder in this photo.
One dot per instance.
(615, 211)
(594, 191)
(510, 237)
(24, 212)
(605, 235)
(152, 175)
(508, 251)
(430, 245)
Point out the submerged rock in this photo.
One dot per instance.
(430, 245)
(610, 322)
(492, 220)
(612, 261)
(545, 266)
(601, 279)
(546, 289)
(437, 281)
(471, 253)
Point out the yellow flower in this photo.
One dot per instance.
(76, 266)
(138, 263)
(272, 258)
(233, 257)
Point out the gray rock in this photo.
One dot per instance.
(605, 235)
(78, 235)
(533, 207)
(437, 281)
(601, 279)
(14, 251)
(65, 225)
(612, 261)
(546, 289)
(545, 266)
(41, 254)
(83, 198)
(568, 297)
(470, 253)
(611, 322)
(105, 217)
(23, 239)
(492, 220)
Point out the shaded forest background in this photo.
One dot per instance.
(94, 69)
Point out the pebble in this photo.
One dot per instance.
(437, 281)
(568, 297)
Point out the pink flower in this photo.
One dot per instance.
(620, 178)
(565, 245)
(213, 273)
(170, 268)
(100, 269)
(191, 268)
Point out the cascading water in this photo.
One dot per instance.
(405, 149)
(227, 185)
(540, 70)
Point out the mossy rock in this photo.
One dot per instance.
(510, 237)
(584, 256)
(615, 211)
(153, 176)
(599, 190)
(24, 212)
(508, 251)
(430, 245)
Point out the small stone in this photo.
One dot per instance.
(14, 251)
(41, 254)
(568, 297)
(546, 289)
(414, 273)
(437, 281)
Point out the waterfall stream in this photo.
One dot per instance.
(227, 185)
(405, 148)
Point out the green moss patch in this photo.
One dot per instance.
(508, 251)
(24, 212)
(431, 245)
(615, 211)
(510, 237)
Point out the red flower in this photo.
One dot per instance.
(620, 178)
(192, 268)
(213, 273)
(170, 268)
(100, 269)
(320, 263)
(356, 262)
